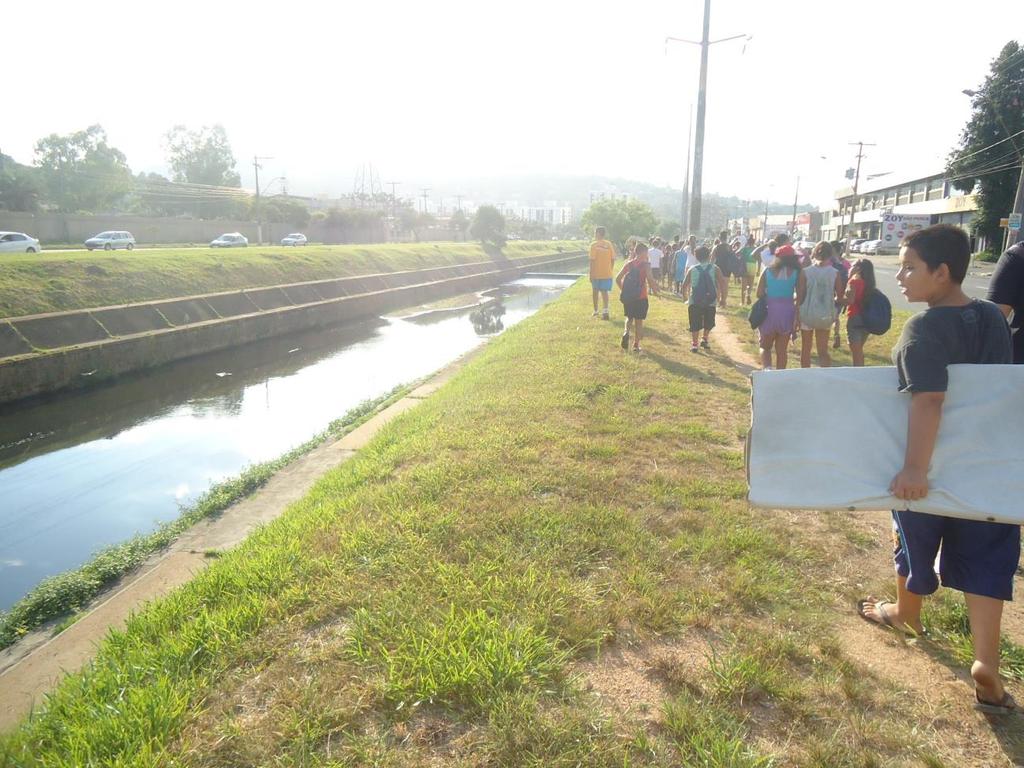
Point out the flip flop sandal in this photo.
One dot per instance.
(1006, 706)
(884, 620)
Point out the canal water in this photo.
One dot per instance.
(85, 470)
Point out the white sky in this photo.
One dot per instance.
(429, 91)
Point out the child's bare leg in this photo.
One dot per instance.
(766, 352)
(638, 325)
(781, 350)
(595, 299)
(821, 340)
(857, 352)
(905, 612)
(986, 615)
(805, 348)
(604, 300)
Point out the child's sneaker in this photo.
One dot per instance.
(704, 344)
(594, 313)
(604, 315)
(625, 340)
(693, 348)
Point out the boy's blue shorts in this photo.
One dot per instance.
(977, 556)
(601, 285)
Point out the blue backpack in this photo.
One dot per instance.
(877, 313)
(704, 291)
(632, 284)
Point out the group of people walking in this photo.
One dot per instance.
(798, 295)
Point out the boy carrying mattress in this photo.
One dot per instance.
(978, 558)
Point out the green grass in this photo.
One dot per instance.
(457, 593)
(60, 596)
(49, 282)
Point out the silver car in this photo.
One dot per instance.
(18, 242)
(297, 238)
(230, 240)
(110, 241)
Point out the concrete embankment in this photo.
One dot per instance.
(45, 353)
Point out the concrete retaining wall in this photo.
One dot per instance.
(46, 353)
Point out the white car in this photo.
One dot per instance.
(870, 248)
(18, 242)
(296, 238)
(230, 240)
(108, 241)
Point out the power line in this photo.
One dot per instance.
(983, 149)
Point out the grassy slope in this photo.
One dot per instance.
(46, 282)
(444, 597)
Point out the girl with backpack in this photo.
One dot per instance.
(860, 285)
(783, 286)
(818, 309)
(634, 280)
(703, 285)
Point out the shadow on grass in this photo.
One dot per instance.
(695, 374)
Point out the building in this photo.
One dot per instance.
(548, 214)
(931, 195)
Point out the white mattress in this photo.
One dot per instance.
(833, 438)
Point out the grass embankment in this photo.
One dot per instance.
(61, 596)
(549, 562)
(47, 282)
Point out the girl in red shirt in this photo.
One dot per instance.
(860, 284)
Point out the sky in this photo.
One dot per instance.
(429, 92)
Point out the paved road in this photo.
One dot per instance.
(975, 286)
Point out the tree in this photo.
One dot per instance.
(620, 218)
(668, 228)
(987, 156)
(20, 186)
(81, 171)
(202, 157)
(488, 226)
(284, 211)
(458, 222)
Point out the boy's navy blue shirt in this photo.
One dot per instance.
(1007, 287)
(941, 336)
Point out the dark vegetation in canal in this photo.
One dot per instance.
(48, 282)
(62, 595)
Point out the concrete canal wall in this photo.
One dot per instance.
(40, 354)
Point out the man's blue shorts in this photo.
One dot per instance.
(602, 285)
(977, 556)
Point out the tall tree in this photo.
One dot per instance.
(989, 155)
(620, 218)
(488, 226)
(81, 171)
(20, 186)
(202, 157)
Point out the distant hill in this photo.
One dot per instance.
(578, 191)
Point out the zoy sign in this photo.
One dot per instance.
(896, 226)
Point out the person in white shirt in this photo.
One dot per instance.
(691, 255)
(768, 254)
(654, 255)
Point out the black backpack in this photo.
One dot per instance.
(877, 313)
(632, 284)
(704, 291)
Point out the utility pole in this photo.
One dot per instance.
(394, 204)
(424, 191)
(686, 182)
(256, 168)
(458, 199)
(698, 156)
(856, 185)
(796, 197)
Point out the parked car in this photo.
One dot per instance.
(296, 238)
(108, 241)
(230, 240)
(870, 248)
(856, 243)
(18, 242)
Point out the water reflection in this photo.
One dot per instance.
(84, 470)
